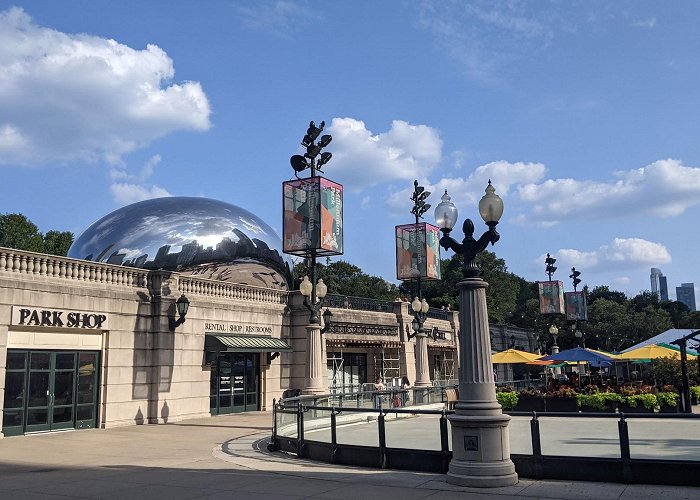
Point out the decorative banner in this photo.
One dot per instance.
(313, 217)
(551, 297)
(417, 251)
(576, 308)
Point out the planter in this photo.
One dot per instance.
(530, 404)
(640, 408)
(561, 405)
(610, 407)
(670, 409)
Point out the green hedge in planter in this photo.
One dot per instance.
(603, 401)
(648, 401)
(695, 394)
(668, 399)
(507, 400)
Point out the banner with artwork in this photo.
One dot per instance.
(417, 251)
(576, 308)
(313, 217)
(551, 297)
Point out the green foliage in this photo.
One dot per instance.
(343, 278)
(57, 242)
(667, 371)
(599, 400)
(507, 400)
(695, 391)
(502, 295)
(647, 400)
(17, 231)
(667, 399)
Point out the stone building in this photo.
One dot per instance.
(91, 342)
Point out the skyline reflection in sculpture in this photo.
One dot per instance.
(195, 236)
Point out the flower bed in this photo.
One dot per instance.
(605, 402)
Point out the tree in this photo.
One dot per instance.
(603, 292)
(677, 311)
(343, 278)
(57, 242)
(17, 231)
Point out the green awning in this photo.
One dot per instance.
(244, 343)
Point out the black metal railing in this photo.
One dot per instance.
(291, 419)
(439, 314)
(359, 303)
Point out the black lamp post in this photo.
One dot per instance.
(419, 305)
(310, 232)
(481, 455)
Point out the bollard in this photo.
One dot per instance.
(300, 430)
(334, 436)
(625, 449)
(536, 445)
(273, 445)
(382, 440)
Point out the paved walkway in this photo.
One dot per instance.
(225, 457)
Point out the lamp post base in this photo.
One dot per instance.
(315, 364)
(481, 452)
(480, 444)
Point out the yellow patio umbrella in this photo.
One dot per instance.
(605, 353)
(652, 351)
(513, 356)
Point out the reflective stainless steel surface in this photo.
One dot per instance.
(195, 236)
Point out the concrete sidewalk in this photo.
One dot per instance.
(225, 457)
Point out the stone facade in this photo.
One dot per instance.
(150, 372)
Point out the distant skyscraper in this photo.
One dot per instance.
(659, 286)
(686, 294)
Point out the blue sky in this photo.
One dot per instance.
(585, 116)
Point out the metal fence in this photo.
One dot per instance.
(359, 303)
(323, 417)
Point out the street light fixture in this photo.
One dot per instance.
(182, 305)
(313, 227)
(315, 304)
(481, 454)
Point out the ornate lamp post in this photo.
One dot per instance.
(417, 258)
(313, 219)
(481, 451)
(554, 331)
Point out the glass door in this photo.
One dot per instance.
(221, 400)
(15, 393)
(86, 390)
(39, 392)
(50, 390)
(235, 383)
(251, 382)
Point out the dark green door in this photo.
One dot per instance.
(50, 390)
(235, 383)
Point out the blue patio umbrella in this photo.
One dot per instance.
(580, 355)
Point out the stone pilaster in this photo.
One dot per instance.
(481, 449)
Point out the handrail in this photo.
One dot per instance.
(360, 303)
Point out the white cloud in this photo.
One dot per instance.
(281, 18)
(666, 188)
(487, 38)
(125, 194)
(362, 159)
(621, 253)
(67, 97)
(644, 23)
(469, 190)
